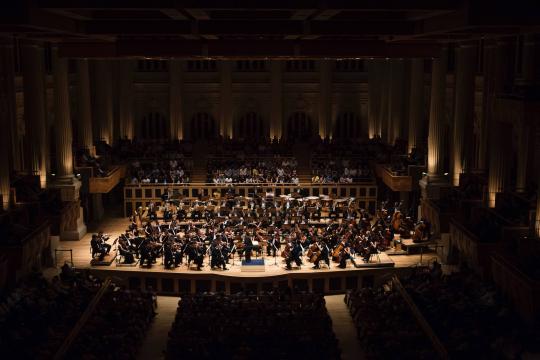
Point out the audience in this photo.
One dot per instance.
(252, 171)
(275, 325)
(159, 172)
(341, 171)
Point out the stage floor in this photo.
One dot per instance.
(273, 267)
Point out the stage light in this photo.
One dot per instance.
(445, 174)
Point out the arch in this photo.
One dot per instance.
(299, 126)
(203, 126)
(154, 126)
(250, 126)
(347, 126)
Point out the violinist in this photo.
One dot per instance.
(102, 239)
(273, 244)
(218, 254)
(125, 250)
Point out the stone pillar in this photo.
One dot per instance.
(7, 87)
(416, 104)
(7, 114)
(537, 217)
(225, 124)
(435, 179)
(523, 158)
(125, 99)
(84, 116)
(374, 97)
(73, 228)
(325, 98)
(176, 82)
(385, 80)
(396, 99)
(276, 95)
(463, 111)
(103, 114)
(34, 110)
(498, 161)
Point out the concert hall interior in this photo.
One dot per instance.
(270, 179)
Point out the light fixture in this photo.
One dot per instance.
(445, 174)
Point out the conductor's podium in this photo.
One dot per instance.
(255, 265)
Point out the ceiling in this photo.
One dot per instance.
(263, 28)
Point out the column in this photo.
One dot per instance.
(125, 99)
(497, 131)
(72, 226)
(276, 95)
(523, 158)
(374, 98)
(325, 98)
(463, 111)
(385, 80)
(176, 82)
(537, 217)
(396, 100)
(103, 114)
(84, 116)
(34, 110)
(416, 104)
(225, 124)
(7, 113)
(435, 179)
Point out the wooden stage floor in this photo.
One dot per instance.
(273, 271)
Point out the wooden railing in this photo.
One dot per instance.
(102, 185)
(393, 181)
(422, 322)
(64, 348)
(143, 194)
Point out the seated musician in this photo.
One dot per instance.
(125, 251)
(273, 243)
(323, 255)
(102, 238)
(296, 252)
(218, 254)
(346, 254)
(97, 248)
(172, 256)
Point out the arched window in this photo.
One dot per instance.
(154, 126)
(250, 126)
(299, 126)
(203, 126)
(347, 126)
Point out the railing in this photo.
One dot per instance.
(143, 194)
(102, 185)
(62, 351)
(392, 180)
(422, 322)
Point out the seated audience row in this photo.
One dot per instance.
(276, 325)
(252, 171)
(341, 171)
(159, 172)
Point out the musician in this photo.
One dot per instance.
(97, 247)
(102, 239)
(323, 255)
(171, 253)
(218, 253)
(248, 247)
(296, 252)
(125, 250)
(346, 254)
(147, 253)
(273, 244)
(197, 254)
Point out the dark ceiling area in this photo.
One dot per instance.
(264, 28)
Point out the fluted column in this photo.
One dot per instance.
(103, 113)
(374, 98)
(63, 133)
(34, 110)
(463, 111)
(125, 100)
(84, 116)
(396, 100)
(225, 125)
(416, 104)
(436, 116)
(537, 219)
(276, 111)
(386, 78)
(325, 98)
(175, 99)
(7, 114)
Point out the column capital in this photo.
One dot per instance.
(69, 187)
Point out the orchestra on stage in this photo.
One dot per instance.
(316, 231)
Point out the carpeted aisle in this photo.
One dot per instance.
(155, 342)
(343, 327)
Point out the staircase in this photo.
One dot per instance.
(198, 172)
(302, 153)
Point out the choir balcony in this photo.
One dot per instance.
(101, 184)
(403, 180)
